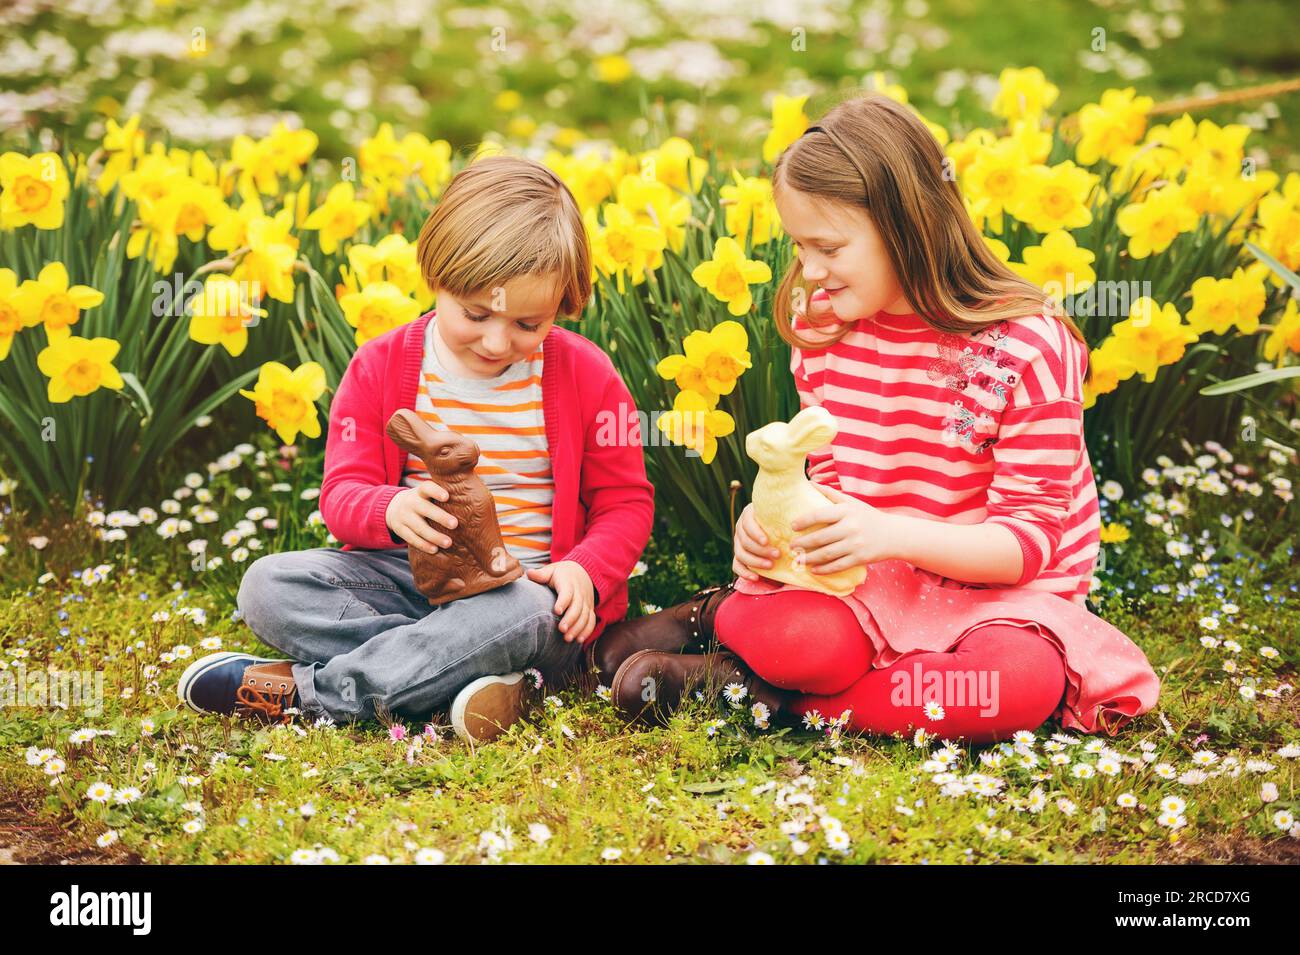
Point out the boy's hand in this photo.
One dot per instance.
(577, 594)
(751, 548)
(410, 511)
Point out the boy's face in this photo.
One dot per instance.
(489, 330)
(842, 252)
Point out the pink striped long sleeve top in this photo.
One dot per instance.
(965, 428)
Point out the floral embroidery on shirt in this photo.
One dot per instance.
(956, 362)
(977, 359)
(960, 427)
(992, 366)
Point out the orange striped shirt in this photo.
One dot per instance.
(503, 416)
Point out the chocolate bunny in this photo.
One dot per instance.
(477, 559)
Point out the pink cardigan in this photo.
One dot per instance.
(604, 505)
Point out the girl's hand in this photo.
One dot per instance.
(409, 514)
(819, 313)
(751, 546)
(856, 534)
(577, 594)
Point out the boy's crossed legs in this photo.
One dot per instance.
(363, 639)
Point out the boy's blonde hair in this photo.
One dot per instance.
(502, 217)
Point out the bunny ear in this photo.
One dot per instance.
(812, 427)
(407, 429)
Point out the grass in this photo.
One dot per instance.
(709, 787)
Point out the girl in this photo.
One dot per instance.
(958, 477)
(505, 250)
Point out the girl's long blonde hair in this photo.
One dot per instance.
(874, 154)
(502, 217)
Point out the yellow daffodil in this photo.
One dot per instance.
(32, 190)
(285, 399)
(1023, 93)
(78, 366)
(1279, 223)
(339, 218)
(728, 275)
(1000, 250)
(391, 259)
(1118, 121)
(258, 166)
(712, 361)
(963, 152)
(221, 316)
(382, 156)
(1108, 366)
(50, 301)
(1201, 191)
(230, 231)
(788, 123)
(1151, 337)
(590, 177)
(1055, 198)
(998, 175)
(1153, 223)
(693, 423)
(430, 162)
(267, 267)
(748, 204)
(654, 204)
(376, 309)
(153, 177)
(13, 314)
(1220, 149)
(1059, 266)
(1033, 140)
(123, 145)
(938, 132)
(1218, 304)
(1285, 335)
(624, 246)
(676, 165)
(878, 84)
(291, 149)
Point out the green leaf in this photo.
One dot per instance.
(1290, 277)
(1250, 381)
(137, 397)
(713, 786)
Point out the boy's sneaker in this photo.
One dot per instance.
(488, 707)
(239, 684)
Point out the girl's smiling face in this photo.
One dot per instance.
(842, 252)
(483, 333)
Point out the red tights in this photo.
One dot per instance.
(999, 679)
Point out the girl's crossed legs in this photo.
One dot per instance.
(999, 679)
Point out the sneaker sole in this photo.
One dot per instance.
(487, 707)
(202, 666)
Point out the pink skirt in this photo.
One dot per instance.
(903, 609)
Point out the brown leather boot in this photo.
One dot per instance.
(687, 625)
(651, 683)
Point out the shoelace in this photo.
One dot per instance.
(269, 704)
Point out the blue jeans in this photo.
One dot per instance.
(363, 639)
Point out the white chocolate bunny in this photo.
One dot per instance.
(782, 492)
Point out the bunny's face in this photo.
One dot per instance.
(778, 446)
(449, 452)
